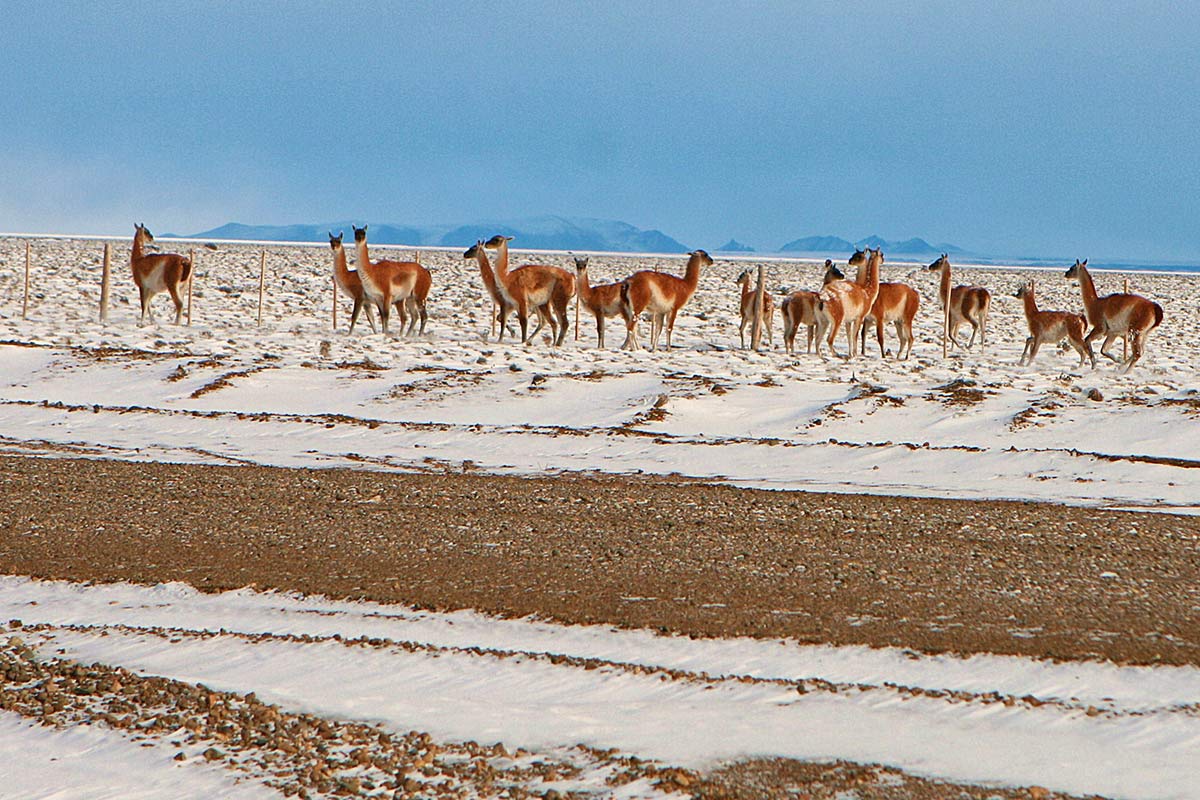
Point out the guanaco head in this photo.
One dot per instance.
(473, 250)
(1024, 289)
(859, 258)
(1073, 272)
(141, 231)
(360, 234)
(943, 261)
(497, 240)
(744, 278)
(581, 263)
(832, 273)
(704, 257)
(335, 242)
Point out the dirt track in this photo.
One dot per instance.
(703, 560)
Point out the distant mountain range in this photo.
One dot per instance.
(557, 233)
(536, 233)
(836, 244)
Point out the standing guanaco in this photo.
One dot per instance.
(155, 273)
(603, 300)
(662, 295)
(966, 304)
(747, 308)
(392, 283)
(349, 282)
(530, 287)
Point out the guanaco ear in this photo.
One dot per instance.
(1084, 264)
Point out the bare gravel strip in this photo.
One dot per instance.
(932, 575)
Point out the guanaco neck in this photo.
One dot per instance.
(746, 290)
(1087, 289)
(872, 284)
(945, 284)
(863, 276)
(485, 271)
(501, 266)
(585, 288)
(139, 246)
(1031, 308)
(691, 275)
(364, 258)
(340, 269)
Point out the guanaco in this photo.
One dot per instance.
(747, 308)
(155, 273)
(966, 303)
(402, 284)
(800, 308)
(896, 303)
(532, 286)
(503, 306)
(1052, 327)
(662, 295)
(603, 300)
(349, 282)
(1116, 315)
(846, 303)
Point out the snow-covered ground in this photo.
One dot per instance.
(38, 762)
(1080, 728)
(293, 392)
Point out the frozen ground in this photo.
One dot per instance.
(294, 392)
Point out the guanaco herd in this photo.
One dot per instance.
(841, 304)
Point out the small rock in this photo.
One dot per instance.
(1095, 394)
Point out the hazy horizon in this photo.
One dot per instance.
(1018, 130)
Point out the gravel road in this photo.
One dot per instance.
(931, 575)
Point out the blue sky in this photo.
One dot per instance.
(1010, 128)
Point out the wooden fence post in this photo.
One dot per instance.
(105, 277)
(262, 278)
(25, 302)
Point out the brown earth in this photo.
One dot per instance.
(932, 575)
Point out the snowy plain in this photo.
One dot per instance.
(293, 392)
